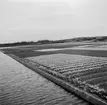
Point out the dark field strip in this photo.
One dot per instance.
(85, 72)
(25, 49)
(31, 54)
(78, 52)
(97, 80)
(26, 52)
(92, 76)
(75, 52)
(96, 53)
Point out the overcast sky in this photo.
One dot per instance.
(32, 20)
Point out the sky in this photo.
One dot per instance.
(32, 20)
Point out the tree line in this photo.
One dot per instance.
(40, 42)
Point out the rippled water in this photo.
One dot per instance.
(21, 86)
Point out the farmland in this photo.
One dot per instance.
(79, 65)
(97, 50)
(20, 85)
(89, 70)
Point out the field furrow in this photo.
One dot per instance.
(97, 80)
(92, 76)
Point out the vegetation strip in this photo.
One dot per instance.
(70, 87)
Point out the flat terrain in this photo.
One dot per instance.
(83, 65)
(90, 70)
(21, 86)
(87, 49)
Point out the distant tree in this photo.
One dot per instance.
(44, 42)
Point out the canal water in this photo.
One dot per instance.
(22, 86)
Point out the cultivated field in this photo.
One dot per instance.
(22, 86)
(84, 66)
(91, 71)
